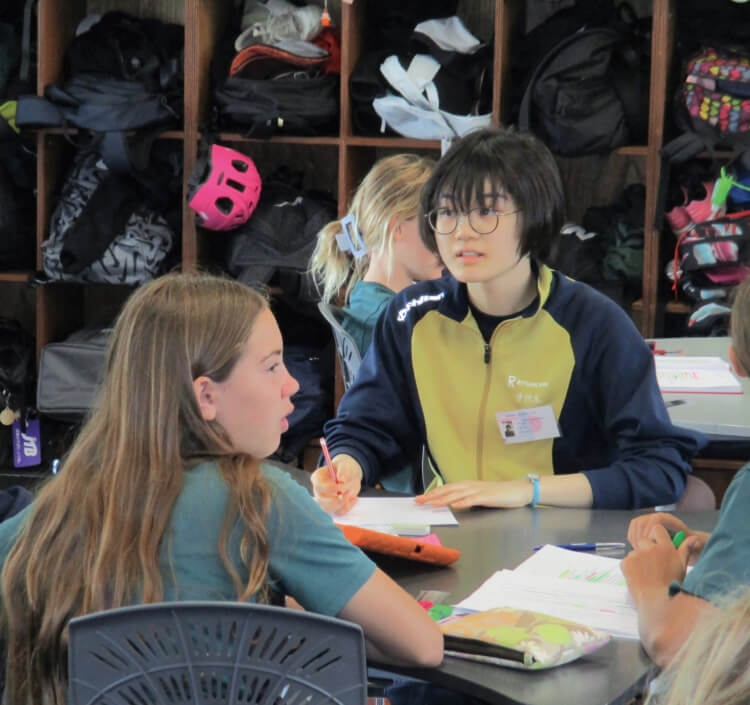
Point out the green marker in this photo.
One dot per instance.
(678, 538)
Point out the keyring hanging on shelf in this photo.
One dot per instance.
(325, 17)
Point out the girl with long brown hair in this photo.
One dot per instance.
(163, 495)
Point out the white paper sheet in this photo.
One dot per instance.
(682, 375)
(605, 607)
(582, 587)
(555, 562)
(383, 512)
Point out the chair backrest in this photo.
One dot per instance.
(214, 653)
(346, 348)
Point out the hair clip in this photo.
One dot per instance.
(350, 239)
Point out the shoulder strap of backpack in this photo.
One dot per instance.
(128, 153)
(416, 83)
(36, 111)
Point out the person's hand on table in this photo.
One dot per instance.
(641, 528)
(480, 493)
(337, 497)
(654, 562)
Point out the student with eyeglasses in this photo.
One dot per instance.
(505, 342)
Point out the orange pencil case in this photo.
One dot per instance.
(411, 549)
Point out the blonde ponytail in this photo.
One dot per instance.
(389, 191)
(334, 270)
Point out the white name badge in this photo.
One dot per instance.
(526, 425)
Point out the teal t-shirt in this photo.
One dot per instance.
(724, 563)
(366, 302)
(309, 557)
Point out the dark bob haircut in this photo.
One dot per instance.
(510, 161)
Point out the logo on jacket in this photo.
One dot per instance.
(513, 382)
(413, 303)
(526, 392)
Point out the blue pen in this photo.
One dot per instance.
(598, 546)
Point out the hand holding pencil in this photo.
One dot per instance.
(337, 483)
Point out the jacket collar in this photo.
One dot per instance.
(455, 305)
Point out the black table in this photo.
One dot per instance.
(494, 539)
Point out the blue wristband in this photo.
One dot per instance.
(533, 478)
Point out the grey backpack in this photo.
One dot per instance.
(70, 372)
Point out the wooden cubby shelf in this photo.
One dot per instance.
(343, 158)
(15, 277)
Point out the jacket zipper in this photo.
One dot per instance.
(483, 406)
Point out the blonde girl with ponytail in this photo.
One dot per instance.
(375, 251)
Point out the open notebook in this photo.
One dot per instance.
(683, 374)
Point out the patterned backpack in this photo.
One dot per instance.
(102, 231)
(716, 93)
(719, 249)
(712, 107)
(710, 260)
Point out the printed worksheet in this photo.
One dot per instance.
(680, 374)
(555, 562)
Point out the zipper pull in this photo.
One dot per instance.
(486, 353)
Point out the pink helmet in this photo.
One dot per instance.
(227, 191)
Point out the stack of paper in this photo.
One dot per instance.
(581, 587)
(382, 513)
(684, 375)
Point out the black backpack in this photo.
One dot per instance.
(606, 250)
(278, 239)
(123, 74)
(296, 104)
(588, 93)
(17, 222)
(16, 366)
(17, 175)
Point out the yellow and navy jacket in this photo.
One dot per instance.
(429, 378)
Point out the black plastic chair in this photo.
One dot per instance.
(214, 653)
(347, 350)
